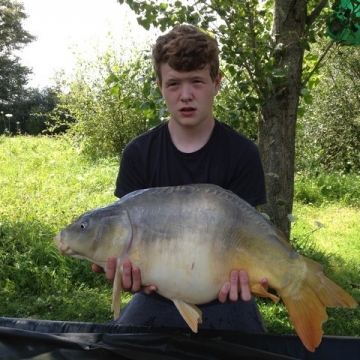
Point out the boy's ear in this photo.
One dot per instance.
(218, 81)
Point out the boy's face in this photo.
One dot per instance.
(189, 96)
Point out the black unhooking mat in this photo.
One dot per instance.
(40, 340)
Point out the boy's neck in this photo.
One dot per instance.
(190, 139)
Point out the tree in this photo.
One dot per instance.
(13, 75)
(32, 110)
(266, 50)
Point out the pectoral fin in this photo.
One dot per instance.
(190, 313)
(258, 289)
(117, 288)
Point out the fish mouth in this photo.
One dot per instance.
(63, 248)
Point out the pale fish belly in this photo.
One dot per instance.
(186, 270)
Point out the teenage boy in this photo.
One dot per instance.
(191, 147)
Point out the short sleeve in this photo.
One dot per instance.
(130, 176)
(248, 180)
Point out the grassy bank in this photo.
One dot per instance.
(45, 184)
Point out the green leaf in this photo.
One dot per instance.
(112, 78)
(307, 96)
(291, 218)
(145, 105)
(319, 224)
(163, 6)
(300, 111)
(162, 111)
(115, 90)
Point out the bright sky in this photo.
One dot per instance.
(65, 28)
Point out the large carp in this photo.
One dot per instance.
(187, 239)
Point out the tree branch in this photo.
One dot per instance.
(316, 12)
(329, 46)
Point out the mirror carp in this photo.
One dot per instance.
(187, 239)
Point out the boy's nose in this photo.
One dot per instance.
(186, 93)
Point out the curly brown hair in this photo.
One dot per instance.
(186, 48)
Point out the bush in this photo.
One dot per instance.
(325, 188)
(101, 121)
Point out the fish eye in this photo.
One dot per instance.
(84, 224)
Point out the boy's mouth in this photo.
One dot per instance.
(187, 110)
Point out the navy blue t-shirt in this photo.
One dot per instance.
(228, 159)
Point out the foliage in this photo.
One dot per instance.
(46, 184)
(13, 37)
(148, 98)
(329, 136)
(100, 117)
(327, 187)
(229, 109)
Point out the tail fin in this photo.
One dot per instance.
(307, 308)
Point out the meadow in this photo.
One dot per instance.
(45, 183)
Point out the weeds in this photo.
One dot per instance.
(328, 188)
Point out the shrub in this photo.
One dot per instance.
(328, 187)
(100, 121)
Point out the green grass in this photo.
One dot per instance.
(328, 187)
(328, 234)
(45, 184)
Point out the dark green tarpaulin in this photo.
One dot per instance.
(344, 24)
(40, 340)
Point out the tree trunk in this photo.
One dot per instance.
(278, 113)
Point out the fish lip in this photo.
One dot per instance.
(63, 248)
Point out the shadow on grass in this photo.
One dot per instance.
(37, 282)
